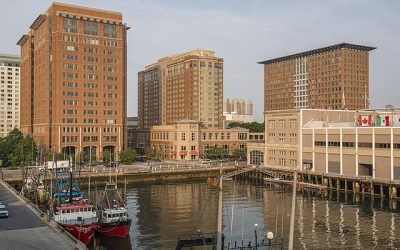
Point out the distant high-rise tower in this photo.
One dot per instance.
(74, 80)
(10, 93)
(238, 110)
(334, 77)
(182, 86)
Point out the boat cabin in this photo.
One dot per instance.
(114, 215)
(73, 214)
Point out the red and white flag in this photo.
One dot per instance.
(364, 120)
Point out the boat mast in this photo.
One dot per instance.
(70, 185)
(292, 214)
(219, 226)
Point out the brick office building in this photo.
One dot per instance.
(74, 80)
(333, 77)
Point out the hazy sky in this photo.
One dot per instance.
(243, 32)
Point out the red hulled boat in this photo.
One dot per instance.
(76, 215)
(78, 219)
(113, 216)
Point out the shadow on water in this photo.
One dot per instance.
(101, 242)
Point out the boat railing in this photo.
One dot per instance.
(78, 221)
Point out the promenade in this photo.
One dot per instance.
(24, 229)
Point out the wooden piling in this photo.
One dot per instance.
(337, 184)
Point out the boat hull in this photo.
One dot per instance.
(82, 232)
(115, 229)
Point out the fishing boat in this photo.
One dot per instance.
(73, 213)
(114, 220)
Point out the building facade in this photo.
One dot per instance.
(334, 77)
(10, 98)
(182, 86)
(349, 143)
(73, 63)
(188, 140)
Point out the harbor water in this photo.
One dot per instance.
(332, 220)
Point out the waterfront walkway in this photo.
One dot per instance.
(24, 229)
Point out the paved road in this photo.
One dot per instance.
(23, 229)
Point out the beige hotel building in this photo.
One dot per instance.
(74, 80)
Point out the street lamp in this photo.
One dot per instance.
(255, 234)
(270, 237)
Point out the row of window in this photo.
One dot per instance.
(70, 25)
(351, 144)
(89, 129)
(66, 139)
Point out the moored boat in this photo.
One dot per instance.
(113, 220)
(73, 213)
(79, 219)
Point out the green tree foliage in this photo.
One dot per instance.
(251, 126)
(50, 156)
(239, 153)
(128, 156)
(17, 150)
(106, 156)
(215, 152)
(152, 152)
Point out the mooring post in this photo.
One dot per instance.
(337, 184)
(356, 187)
(372, 189)
(362, 188)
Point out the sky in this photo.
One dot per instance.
(242, 32)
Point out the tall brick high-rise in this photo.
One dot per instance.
(183, 86)
(334, 77)
(74, 80)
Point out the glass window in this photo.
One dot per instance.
(70, 25)
(110, 30)
(90, 28)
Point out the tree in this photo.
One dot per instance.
(106, 156)
(8, 146)
(215, 152)
(241, 153)
(24, 153)
(128, 156)
(152, 152)
(251, 126)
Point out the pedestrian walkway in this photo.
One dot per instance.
(24, 229)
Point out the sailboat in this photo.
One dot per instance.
(113, 216)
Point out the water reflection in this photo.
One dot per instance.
(102, 242)
(162, 212)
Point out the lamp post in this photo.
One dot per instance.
(270, 237)
(255, 235)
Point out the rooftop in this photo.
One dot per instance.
(318, 51)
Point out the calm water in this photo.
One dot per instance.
(162, 212)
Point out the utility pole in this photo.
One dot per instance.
(292, 214)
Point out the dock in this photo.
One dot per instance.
(25, 228)
(300, 185)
